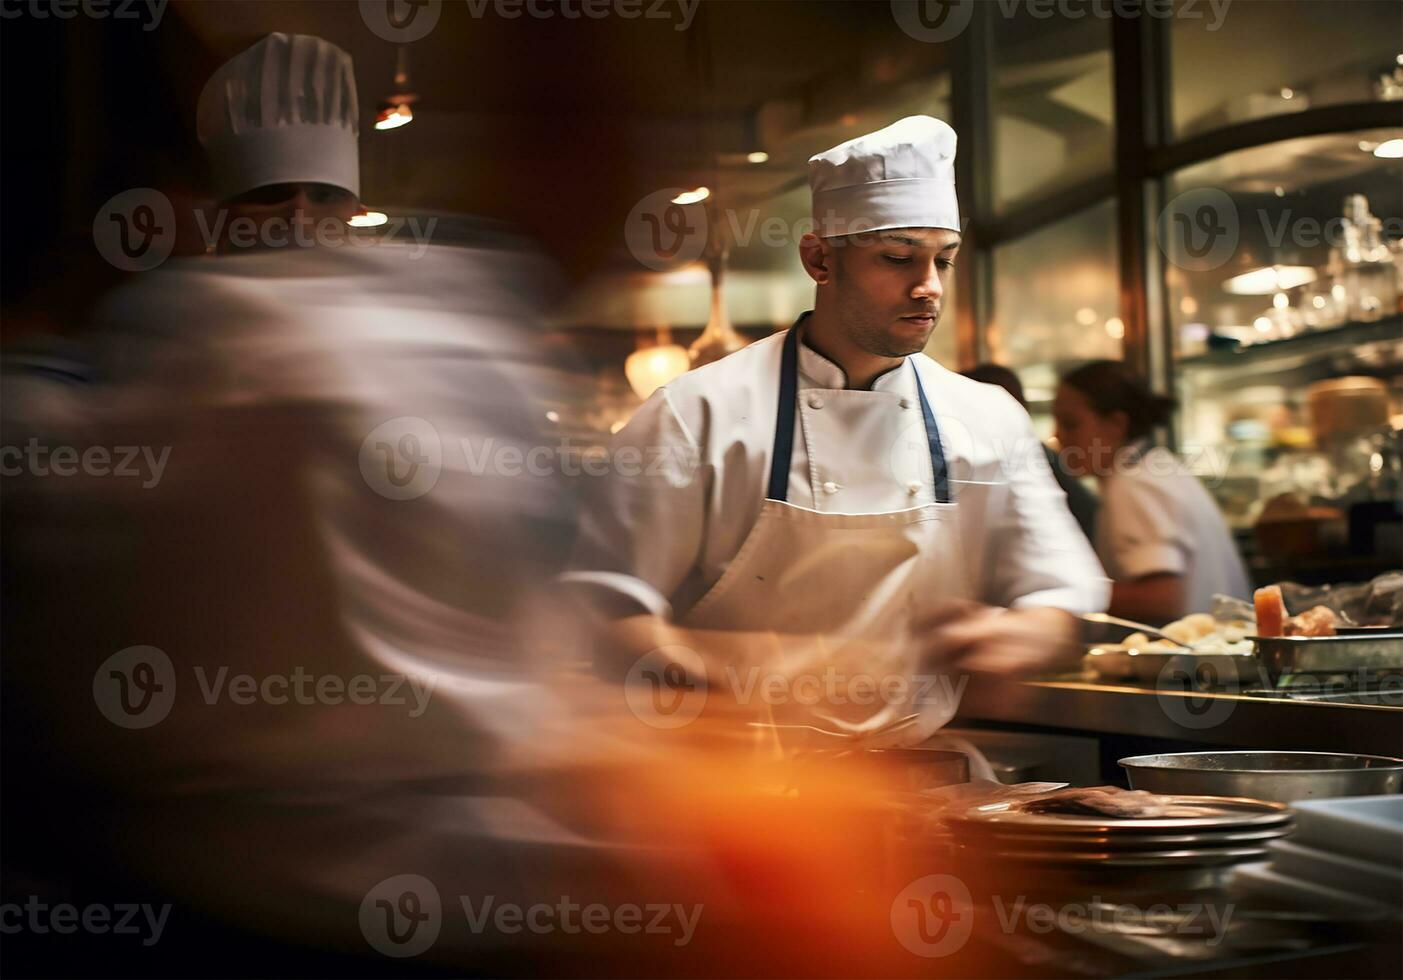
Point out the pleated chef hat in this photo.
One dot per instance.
(899, 177)
(284, 111)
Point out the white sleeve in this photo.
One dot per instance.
(644, 518)
(1144, 528)
(1040, 555)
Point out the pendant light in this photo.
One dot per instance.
(651, 366)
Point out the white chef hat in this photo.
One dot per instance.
(899, 177)
(284, 111)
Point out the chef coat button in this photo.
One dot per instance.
(830, 487)
(913, 488)
(905, 403)
(815, 401)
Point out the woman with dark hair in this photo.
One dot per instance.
(1159, 534)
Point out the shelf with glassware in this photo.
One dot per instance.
(1294, 420)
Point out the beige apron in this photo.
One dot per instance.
(857, 579)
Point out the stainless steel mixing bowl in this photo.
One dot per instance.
(1280, 776)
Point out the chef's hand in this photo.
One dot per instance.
(971, 637)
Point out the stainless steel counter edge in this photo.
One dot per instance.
(1218, 719)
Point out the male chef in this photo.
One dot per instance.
(832, 498)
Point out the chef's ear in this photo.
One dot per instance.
(817, 257)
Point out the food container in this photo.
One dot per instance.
(1370, 653)
(1280, 776)
(1172, 669)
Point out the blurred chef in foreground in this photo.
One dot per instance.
(1162, 539)
(315, 704)
(831, 500)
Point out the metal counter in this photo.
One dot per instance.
(1077, 705)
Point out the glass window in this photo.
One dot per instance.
(1056, 302)
(1284, 239)
(1249, 60)
(1052, 102)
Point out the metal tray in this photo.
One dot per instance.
(1175, 669)
(1377, 653)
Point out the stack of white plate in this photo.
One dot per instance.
(1228, 831)
(1345, 858)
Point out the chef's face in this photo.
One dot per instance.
(1088, 439)
(299, 207)
(887, 287)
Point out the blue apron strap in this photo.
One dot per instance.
(937, 452)
(783, 451)
(784, 417)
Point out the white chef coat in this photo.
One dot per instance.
(690, 470)
(1157, 517)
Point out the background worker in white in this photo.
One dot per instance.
(832, 480)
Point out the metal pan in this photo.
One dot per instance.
(1376, 653)
(1280, 776)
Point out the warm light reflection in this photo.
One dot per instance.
(393, 117)
(1389, 149)
(371, 219)
(693, 196)
(649, 369)
(1269, 279)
